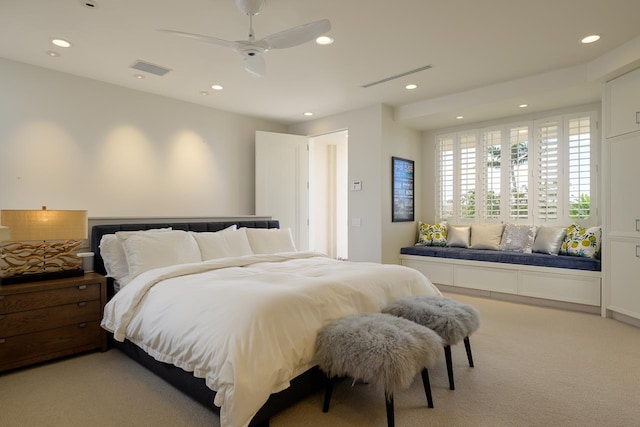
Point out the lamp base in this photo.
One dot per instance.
(37, 277)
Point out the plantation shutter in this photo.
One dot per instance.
(492, 163)
(547, 172)
(579, 172)
(467, 174)
(444, 160)
(519, 173)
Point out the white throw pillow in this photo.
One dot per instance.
(486, 236)
(114, 258)
(146, 251)
(270, 241)
(458, 236)
(214, 245)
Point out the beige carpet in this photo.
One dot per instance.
(534, 367)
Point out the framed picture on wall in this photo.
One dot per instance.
(402, 188)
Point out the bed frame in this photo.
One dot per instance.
(303, 385)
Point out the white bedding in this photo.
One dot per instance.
(248, 325)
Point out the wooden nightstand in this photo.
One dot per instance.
(48, 319)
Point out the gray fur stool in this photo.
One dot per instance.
(452, 320)
(379, 349)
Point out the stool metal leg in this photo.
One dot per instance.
(327, 394)
(427, 387)
(447, 355)
(390, 417)
(467, 346)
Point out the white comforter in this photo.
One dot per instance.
(248, 325)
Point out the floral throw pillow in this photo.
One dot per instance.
(432, 235)
(583, 242)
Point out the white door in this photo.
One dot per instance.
(282, 182)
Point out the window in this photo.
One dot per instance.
(492, 153)
(445, 177)
(547, 171)
(579, 168)
(533, 172)
(467, 174)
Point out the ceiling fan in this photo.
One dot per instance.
(253, 50)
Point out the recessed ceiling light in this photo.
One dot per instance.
(523, 105)
(308, 113)
(590, 39)
(204, 93)
(53, 54)
(324, 40)
(411, 87)
(138, 76)
(459, 117)
(216, 87)
(61, 42)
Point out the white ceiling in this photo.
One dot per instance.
(487, 56)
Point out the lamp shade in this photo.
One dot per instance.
(28, 225)
(5, 233)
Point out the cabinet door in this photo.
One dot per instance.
(624, 270)
(622, 104)
(624, 184)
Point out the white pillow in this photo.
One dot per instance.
(113, 256)
(486, 236)
(214, 245)
(458, 236)
(146, 251)
(270, 241)
(238, 242)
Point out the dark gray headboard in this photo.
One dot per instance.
(97, 231)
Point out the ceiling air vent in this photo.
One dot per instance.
(150, 68)
(397, 76)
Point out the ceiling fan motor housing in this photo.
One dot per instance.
(250, 50)
(250, 7)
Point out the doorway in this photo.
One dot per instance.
(328, 194)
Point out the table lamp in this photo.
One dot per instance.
(40, 244)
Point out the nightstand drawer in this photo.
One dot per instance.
(37, 346)
(23, 322)
(49, 298)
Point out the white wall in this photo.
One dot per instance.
(374, 138)
(73, 143)
(365, 141)
(399, 141)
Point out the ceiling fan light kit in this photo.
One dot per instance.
(253, 50)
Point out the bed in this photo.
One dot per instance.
(241, 319)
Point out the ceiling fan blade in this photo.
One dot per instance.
(207, 39)
(255, 65)
(298, 35)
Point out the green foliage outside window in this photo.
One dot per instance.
(580, 209)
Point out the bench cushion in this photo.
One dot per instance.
(534, 259)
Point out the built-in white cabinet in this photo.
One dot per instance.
(624, 184)
(561, 285)
(621, 185)
(624, 265)
(622, 104)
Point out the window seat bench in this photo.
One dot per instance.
(562, 281)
